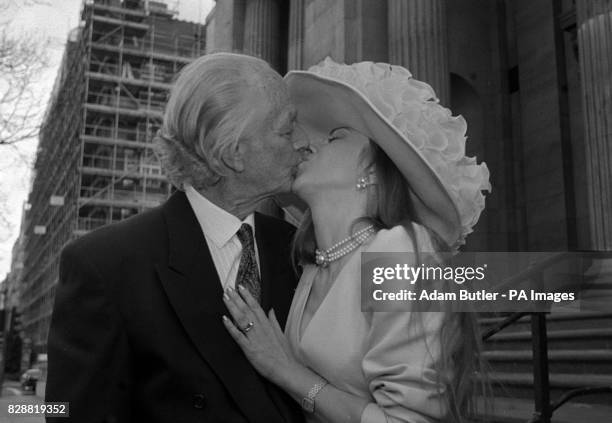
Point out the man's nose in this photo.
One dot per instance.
(299, 141)
(304, 153)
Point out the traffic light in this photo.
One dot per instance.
(16, 321)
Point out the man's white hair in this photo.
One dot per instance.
(207, 113)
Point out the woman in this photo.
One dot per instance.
(387, 173)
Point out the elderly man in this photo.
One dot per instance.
(136, 332)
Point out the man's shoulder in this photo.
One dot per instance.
(140, 232)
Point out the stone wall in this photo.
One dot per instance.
(511, 67)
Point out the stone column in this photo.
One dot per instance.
(418, 41)
(262, 30)
(296, 34)
(594, 19)
(225, 26)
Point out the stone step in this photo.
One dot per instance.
(557, 380)
(560, 361)
(557, 355)
(581, 316)
(520, 385)
(568, 339)
(517, 410)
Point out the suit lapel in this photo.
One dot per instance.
(278, 286)
(277, 276)
(192, 285)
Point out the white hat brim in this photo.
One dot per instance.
(325, 104)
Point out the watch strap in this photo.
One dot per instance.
(308, 402)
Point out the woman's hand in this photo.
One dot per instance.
(261, 338)
(267, 349)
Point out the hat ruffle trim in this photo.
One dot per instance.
(412, 107)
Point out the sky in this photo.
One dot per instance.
(51, 20)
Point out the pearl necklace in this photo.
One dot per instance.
(342, 248)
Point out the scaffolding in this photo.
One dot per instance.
(95, 164)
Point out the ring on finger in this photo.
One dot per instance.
(248, 327)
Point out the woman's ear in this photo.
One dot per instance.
(234, 157)
(370, 173)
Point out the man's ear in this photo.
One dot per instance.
(234, 157)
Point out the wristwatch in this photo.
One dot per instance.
(308, 402)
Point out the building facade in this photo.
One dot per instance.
(533, 78)
(95, 164)
(529, 76)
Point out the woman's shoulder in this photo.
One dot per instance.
(398, 239)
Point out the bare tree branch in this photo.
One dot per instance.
(18, 4)
(22, 60)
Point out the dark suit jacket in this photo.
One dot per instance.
(136, 331)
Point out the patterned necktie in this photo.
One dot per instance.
(248, 275)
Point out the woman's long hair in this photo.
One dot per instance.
(390, 205)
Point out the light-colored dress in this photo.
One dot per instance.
(381, 356)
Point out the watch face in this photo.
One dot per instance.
(308, 405)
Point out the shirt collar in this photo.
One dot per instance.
(217, 224)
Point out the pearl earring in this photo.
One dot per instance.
(364, 182)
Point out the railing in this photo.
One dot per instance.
(125, 102)
(91, 223)
(144, 73)
(168, 7)
(179, 45)
(98, 161)
(139, 196)
(113, 3)
(544, 409)
(137, 134)
(134, 165)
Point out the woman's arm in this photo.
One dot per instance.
(400, 367)
(267, 349)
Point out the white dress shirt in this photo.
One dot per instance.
(219, 228)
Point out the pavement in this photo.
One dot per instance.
(12, 395)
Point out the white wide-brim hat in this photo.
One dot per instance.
(403, 117)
